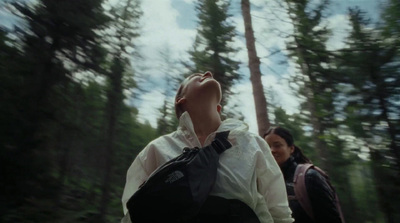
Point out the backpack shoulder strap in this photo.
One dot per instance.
(300, 189)
(301, 193)
(221, 143)
(339, 208)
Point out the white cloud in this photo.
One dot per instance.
(161, 30)
(149, 108)
(271, 25)
(266, 28)
(160, 27)
(244, 98)
(190, 1)
(340, 27)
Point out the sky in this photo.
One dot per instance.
(169, 27)
(171, 24)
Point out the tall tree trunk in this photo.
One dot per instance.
(255, 74)
(320, 146)
(126, 31)
(114, 101)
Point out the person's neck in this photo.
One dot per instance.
(205, 123)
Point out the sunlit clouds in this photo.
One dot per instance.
(162, 29)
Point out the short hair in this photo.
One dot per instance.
(178, 109)
(179, 94)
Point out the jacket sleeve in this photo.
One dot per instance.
(271, 185)
(135, 176)
(322, 198)
(141, 168)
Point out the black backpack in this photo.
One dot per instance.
(177, 190)
(300, 189)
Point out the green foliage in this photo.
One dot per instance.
(390, 16)
(167, 122)
(53, 127)
(309, 50)
(212, 50)
(370, 108)
(323, 91)
(364, 192)
(356, 114)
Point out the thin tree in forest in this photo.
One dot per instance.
(319, 87)
(372, 68)
(52, 44)
(212, 50)
(308, 48)
(126, 16)
(391, 32)
(260, 100)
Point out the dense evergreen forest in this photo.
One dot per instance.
(68, 135)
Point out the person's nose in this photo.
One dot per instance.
(208, 74)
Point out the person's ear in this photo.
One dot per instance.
(292, 149)
(219, 108)
(180, 101)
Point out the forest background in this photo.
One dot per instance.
(85, 85)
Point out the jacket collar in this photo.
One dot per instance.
(186, 124)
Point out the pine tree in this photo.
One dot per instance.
(391, 32)
(370, 65)
(126, 16)
(212, 50)
(308, 48)
(391, 25)
(375, 79)
(320, 89)
(56, 40)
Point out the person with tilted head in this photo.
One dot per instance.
(247, 172)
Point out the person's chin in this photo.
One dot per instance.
(211, 83)
(208, 79)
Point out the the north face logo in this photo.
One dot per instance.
(174, 176)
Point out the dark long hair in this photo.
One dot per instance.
(297, 154)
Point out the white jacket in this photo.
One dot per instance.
(247, 171)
